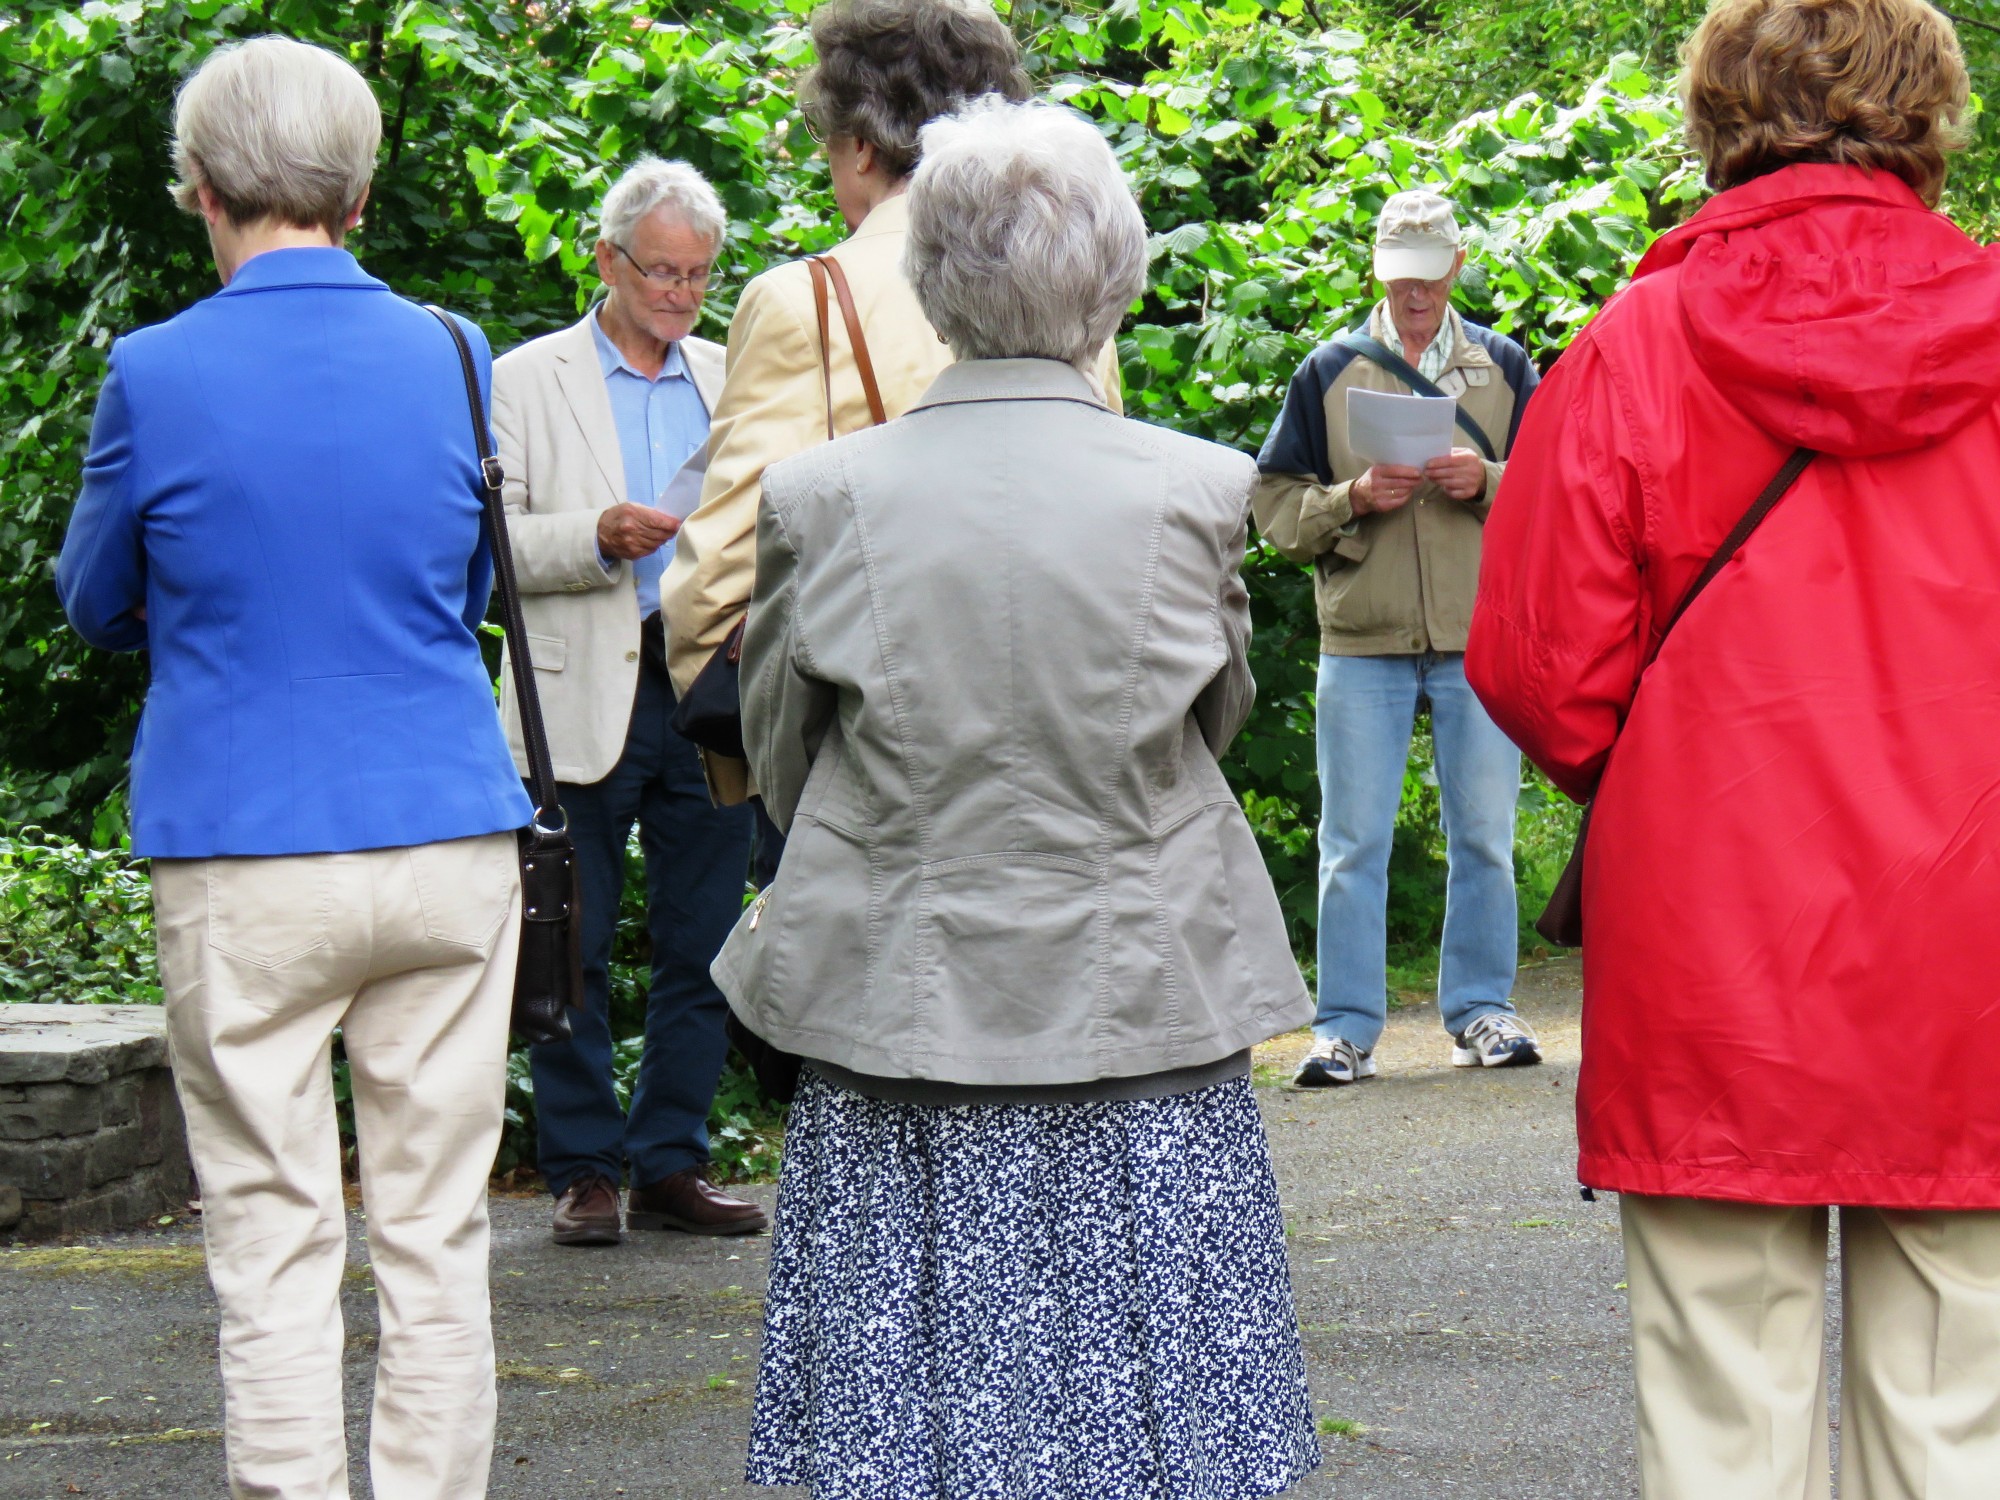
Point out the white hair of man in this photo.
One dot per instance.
(1025, 239)
(276, 129)
(651, 184)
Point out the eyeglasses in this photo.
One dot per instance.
(813, 127)
(668, 281)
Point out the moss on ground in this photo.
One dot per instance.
(135, 1262)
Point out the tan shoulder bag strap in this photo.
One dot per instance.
(825, 343)
(823, 268)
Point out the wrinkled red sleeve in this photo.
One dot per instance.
(1559, 628)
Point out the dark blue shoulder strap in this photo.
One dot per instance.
(1379, 352)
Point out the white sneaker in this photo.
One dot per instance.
(1333, 1060)
(1498, 1039)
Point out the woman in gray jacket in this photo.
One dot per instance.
(1029, 1241)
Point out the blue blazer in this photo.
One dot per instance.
(283, 479)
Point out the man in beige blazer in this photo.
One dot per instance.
(860, 102)
(593, 425)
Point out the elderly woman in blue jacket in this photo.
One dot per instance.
(281, 508)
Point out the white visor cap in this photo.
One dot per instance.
(1416, 238)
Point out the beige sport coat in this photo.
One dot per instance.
(558, 443)
(774, 405)
(995, 651)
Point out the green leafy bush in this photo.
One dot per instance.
(76, 923)
(76, 927)
(1262, 137)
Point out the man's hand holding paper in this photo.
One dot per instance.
(635, 531)
(1461, 474)
(1407, 439)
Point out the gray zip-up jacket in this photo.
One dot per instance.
(995, 649)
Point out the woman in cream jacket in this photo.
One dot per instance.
(885, 68)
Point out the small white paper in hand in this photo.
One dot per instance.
(683, 491)
(1390, 429)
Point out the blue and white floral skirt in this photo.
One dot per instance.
(1030, 1302)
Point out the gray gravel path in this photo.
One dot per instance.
(1461, 1307)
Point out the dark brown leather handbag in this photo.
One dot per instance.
(548, 979)
(1561, 921)
(710, 712)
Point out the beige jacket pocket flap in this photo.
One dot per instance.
(549, 653)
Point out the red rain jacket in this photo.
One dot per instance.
(1792, 897)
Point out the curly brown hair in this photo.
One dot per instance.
(1872, 83)
(887, 68)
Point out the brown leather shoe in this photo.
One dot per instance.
(587, 1212)
(688, 1201)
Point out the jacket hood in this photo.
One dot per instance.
(1837, 311)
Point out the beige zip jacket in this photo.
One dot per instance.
(774, 405)
(1399, 582)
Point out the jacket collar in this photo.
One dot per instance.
(303, 265)
(1778, 195)
(1467, 353)
(890, 216)
(580, 377)
(1009, 380)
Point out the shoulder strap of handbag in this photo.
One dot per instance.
(825, 268)
(1379, 353)
(1561, 922)
(541, 768)
(1762, 506)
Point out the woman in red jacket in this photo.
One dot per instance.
(1792, 969)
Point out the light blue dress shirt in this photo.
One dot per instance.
(661, 424)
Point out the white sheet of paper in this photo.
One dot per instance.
(1391, 429)
(683, 491)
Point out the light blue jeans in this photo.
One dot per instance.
(1367, 709)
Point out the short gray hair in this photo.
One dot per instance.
(1025, 239)
(650, 184)
(276, 128)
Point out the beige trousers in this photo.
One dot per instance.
(1728, 1303)
(410, 952)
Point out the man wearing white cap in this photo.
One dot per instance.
(1395, 555)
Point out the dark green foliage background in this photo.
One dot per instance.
(1262, 136)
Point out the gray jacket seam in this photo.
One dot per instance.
(919, 801)
(1016, 750)
(1193, 809)
(1012, 856)
(846, 1040)
(1141, 634)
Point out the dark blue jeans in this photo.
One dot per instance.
(696, 857)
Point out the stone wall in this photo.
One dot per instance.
(90, 1131)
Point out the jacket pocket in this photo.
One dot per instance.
(1364, 597)
(800, 955)
(269, 910)
(1008, 965)
(549, 653)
